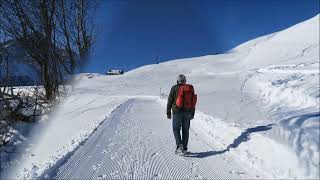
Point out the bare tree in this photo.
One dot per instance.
(56, 34)
(76, 25)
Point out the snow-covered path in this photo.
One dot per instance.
(137, 142)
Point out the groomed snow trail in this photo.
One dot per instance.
(137, 142)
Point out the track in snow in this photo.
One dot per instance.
(136, 142)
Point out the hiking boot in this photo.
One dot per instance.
(184, 151)
(179, 149)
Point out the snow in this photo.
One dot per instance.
(257, 117)
(291, 93)
(222, 135)
(128, 151)
(70, 125)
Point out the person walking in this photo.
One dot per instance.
(181, 101)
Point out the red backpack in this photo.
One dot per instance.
(186, 98)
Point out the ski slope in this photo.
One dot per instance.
(261, 100)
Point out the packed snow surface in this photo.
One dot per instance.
(257, 117)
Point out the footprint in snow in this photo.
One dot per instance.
(106, 151)
(113, 144)
(129, 174)
(114, 156)
(154, 154)
(197, 176)
(156, 176)
(102, 176)
(114, 174)
(237, 172)
(96, 167)
(145, 163)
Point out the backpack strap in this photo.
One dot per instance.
(183, 96)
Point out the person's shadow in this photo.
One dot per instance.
(244, 137)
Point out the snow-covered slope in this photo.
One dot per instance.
(260, 101)
(299, 43)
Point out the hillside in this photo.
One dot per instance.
(261, 99)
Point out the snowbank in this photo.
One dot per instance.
(73, 122)
(291, 94)
(252, 148)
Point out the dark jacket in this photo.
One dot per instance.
(172, 101)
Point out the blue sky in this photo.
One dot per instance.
(133, 33)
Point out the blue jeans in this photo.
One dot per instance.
(181, 120)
